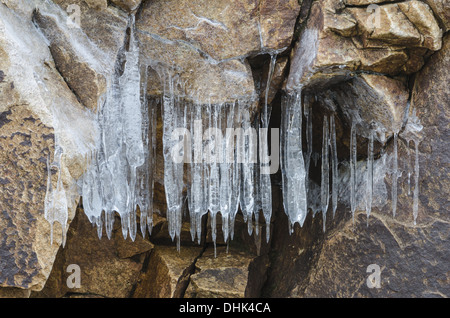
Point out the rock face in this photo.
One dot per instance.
(34, 103)
(205, 43)
(380, 64)
(341, 40)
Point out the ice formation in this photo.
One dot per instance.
(325, 169)
(292, 163)
(216, 159)
(353, 170)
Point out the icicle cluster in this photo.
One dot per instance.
(216, 147)
(361, 180)
(118, 178)
(216, 159)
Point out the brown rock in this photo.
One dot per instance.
(421, 15)
(203, 82)
(128, 5)
(203, 44)
(226, 275)
(97, 4)
(108, 268)
(339, 40)
(387, 24)
(167, 273)
(277, 20)
(441, 9)
(14, 293)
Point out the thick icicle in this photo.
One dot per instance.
(334, 165)
(292, 164)
(325, 178)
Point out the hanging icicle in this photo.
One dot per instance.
(395, 175)
(325, 178)
(369, 180)
(353, 170)
(334, 165)
(292, 164)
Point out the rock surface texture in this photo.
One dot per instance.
(378, 68)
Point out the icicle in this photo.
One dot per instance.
(173, 171)
(410, 133)
(265, 184)
(395, 175)
(236, 151)
(369, 180)
(353, 162)
(249, 148)
(292, 164)
(309, 145)
(416, 182)
(325, 179)
(334, 165)
(408, 168)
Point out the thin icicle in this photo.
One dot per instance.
(416, 182)
(325, 178)
(353, 162)
(249, 148)
(309, 138)
(369, 180)
(265, 183)
(334, 165)
(395, 176)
